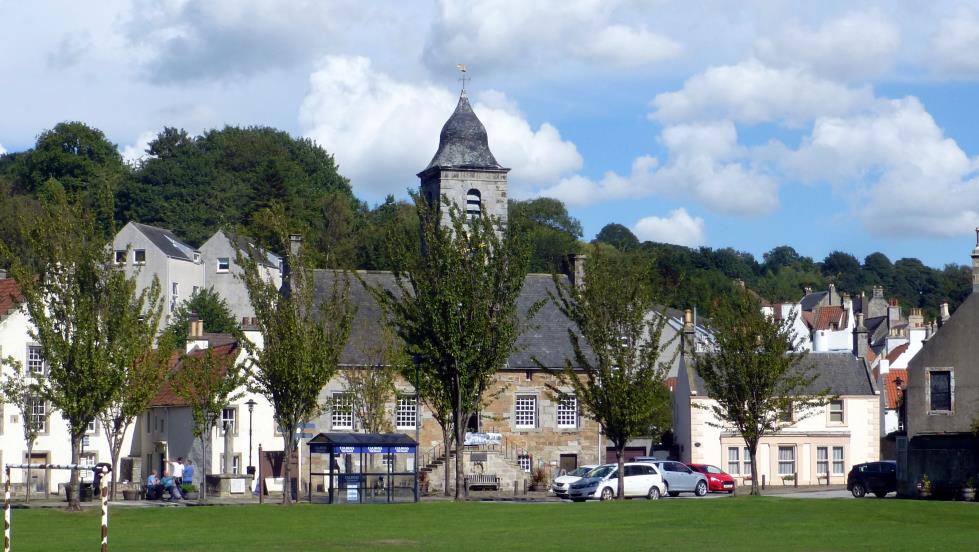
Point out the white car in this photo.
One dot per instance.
(562, 484)
(641, 479)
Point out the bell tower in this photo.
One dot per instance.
(464, 169)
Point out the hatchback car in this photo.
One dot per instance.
(602, 483)
(879, 478)
(717, 480)
(678, 478)
(562, 484)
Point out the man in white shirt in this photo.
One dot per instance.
(177, 469)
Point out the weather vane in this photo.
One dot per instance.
(464, 70)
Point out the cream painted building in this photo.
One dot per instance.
(829, 439)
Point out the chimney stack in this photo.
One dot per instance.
(195, 328)
(860, 344)
(575, 269)
(689, 333)
(295, 242)
(834, 297)
(943, 314)
(975, 265)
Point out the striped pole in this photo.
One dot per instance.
(6, 510)
(104, 491)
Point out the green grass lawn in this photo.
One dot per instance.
(722, 524)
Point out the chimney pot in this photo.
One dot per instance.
(295, 242)
(576, 269)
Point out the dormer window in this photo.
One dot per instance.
(473, 203)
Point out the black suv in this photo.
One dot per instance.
(879, 478)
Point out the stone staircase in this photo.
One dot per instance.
(496, 463)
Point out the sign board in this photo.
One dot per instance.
(346, 449)
(237, 486)
(477, 457)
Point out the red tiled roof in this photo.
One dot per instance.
(830, 318)
(897, 352)
(10, 297)
(223, 355)
(809, 318)
(890, 385)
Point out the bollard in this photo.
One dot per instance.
(795, 480)
(524, 486)
(515, 485)
(261, 482)
(104, 493)
(6, 510)
(827, 479)
(763, 482)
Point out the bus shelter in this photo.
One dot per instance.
(362, 468)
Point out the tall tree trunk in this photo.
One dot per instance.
(27, 487)
(460, 436)
(115, 446)
(75, 505)
(202, 488)
(620, 458)
(752, 452)
(287, 466)
(446, 447)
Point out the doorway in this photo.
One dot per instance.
(568, 463)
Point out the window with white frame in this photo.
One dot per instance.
(406, 415)
(120, 256)
(786, 460)
(224, 264)
(838, 464)
(822, 460)
(139, 256)
(567, 411)
(39, 415)
(90, 428)
(836, 411)
(35, 363)
(235, 463)
(524, 462)
(747, 461)
(343, 411)
(733, 461)
(174, 296)
(525, 411)
(229, 419)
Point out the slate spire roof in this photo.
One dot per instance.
(463, 143)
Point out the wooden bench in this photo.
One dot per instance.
(483, 481)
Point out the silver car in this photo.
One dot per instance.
(679, 478)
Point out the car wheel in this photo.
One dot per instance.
(880, 494)
(608, 493)
(858, 490)
(653, 493)
(701, 489)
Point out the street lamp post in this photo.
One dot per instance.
(251, 408)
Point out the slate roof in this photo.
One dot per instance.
(843, 373)
(812, 300)
(166, 242)
(545, 338)
(223, 354)
(10, 297)
(890, 385)
(463, 143)
(266, 258)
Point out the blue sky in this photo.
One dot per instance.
(824, 125)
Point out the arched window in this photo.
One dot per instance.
(473, 203)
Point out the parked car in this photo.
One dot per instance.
(679, 478)
(717, 479)
(879, 478)
(641, 479)
(562, 484)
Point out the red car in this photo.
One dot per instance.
(717, 480)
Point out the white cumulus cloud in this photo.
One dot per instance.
(136, 151)
(3, 150)
(382, 130)
(753, 92)
(678, 228)
(517, 34)
(952, 49)
(855, 46)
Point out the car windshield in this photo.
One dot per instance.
(580, 472)
(713, 469)
(601, 471)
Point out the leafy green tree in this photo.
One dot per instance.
(210, 308)
(302, 343)
(844, 270)
(141, 374)
(387, 220)
(552, 232)
(19, 388)
(455, 306)
(209, 384)
(619, 237)
(72, 153)
(618, 371)
(86, 313)
(753, 372)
